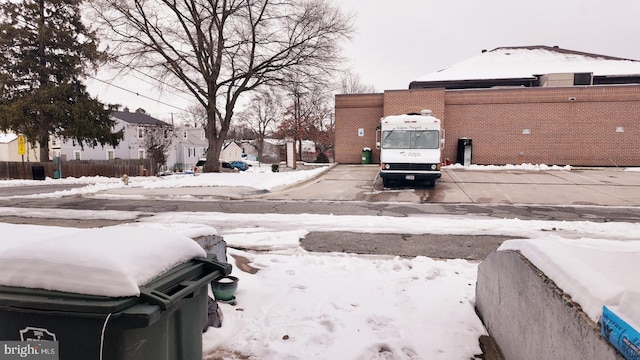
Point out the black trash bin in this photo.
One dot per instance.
(38, 172)
(164, 322)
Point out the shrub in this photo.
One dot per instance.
(322, 158)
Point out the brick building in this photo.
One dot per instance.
(536, 104)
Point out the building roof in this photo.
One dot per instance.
(6, 138)
(138, 118)
(194, 136)
(528, 62)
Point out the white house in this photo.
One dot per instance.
(231, 151)
(9, 149)
(271, 150)
(190, 144)
(130, 147)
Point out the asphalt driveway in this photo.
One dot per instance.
(588, 186)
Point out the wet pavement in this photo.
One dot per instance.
(590, 187)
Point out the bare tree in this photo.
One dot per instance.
(196, 116)
(351, 83)
(220, 49)
(157, 141)
(306, 115)
(261, 115)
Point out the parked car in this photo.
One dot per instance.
(223, 164)
(199, 166)
(239, 164)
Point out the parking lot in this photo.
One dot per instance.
(579, 186)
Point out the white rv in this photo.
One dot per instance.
(410, 148)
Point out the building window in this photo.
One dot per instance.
(140, 132)
(76, 155)
(111, 155)
(140, 153)
(184, 135)
(203, 135)
(191, 152)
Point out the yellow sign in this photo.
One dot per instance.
(22, 147)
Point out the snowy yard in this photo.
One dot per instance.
(301, 305)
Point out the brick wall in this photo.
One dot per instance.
(355, 112)
(397, 102)
(555, 126)
(591, 126)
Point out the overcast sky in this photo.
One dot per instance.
(397, 42)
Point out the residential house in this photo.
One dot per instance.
(9, 149)
(190, 144)
(273, 150)
(231, 151)
(132, 145)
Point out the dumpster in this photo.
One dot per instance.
(366, 155)
(164, 321)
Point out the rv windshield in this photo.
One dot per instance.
(410, 139)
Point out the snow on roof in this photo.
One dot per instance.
(138, 118)
(6, 138)
(529, 61)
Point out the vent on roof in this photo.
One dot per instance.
(583, 79)
(566, 79)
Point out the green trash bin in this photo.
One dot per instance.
(164, 322)
(366, 155)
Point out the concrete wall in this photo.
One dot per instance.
(579, 126)
(529, 317)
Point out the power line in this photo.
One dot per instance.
(154, 79)
(25, 23)
(136, 93)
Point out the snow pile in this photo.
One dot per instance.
(261, 180)
(595, 272)
(257, 177)
(529, 167)
(113, 261)
(324, 306)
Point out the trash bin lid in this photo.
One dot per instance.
(111, 261)
(180, 282)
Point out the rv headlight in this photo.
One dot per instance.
(434, 166)
(387, 166)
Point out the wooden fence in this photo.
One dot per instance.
(76, 168)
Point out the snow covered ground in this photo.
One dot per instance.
(301, 305)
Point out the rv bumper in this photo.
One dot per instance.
(410, 176)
